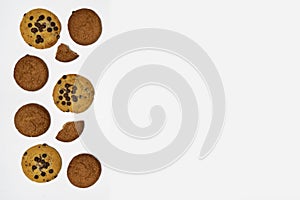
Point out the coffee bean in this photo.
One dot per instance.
(36, 176)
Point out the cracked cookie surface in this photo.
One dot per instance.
(32, 120)
(41, 163)
(40, 28)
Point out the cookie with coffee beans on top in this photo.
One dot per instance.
(40, 28)
(73, 93)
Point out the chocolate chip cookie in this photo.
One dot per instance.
(70, 131)
(84, 26)
(31, 73)
(40, 28)
(84, 170)
(32, 120)
(65, 54)
(41, 163)
(73, 93)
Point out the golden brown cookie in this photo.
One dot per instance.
(41, 163)
(31, 73)
(84, 170)
(73, 93)
(84, 26)
(65, 54)
(70, 131)
(32, 120)
(40, 28)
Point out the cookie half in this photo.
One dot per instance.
(40, 28)
(84, 26)
(71, 131)
(32, 120)
(65, 54)
(41, 163)
(84, 170)
(31, 73)
(73, 93)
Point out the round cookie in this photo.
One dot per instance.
(41, 163)
(84, 170)
(32, 120)
(31, 73)
(40, 28)
(84, 26)
(73, 93)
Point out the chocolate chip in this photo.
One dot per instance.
(55, 176)
(61, 91)
(64, 77)
(80, 96)
(57, 36)
(74, 87)
(68, 91)
(69, 103)
(33, 167)
(43, 174)
(63, 103)
(52, 23)
(25, 154)
(59, 82)
(44, 144)
(44, 155)
(37, 41)
(47, 165)
(67, 85)
(41, 40)
(29, 25)
(68, 99)
(34, 30)
(73, 91)
(55, 28)
(24, 15)
(51, 171)
(38, 36)
(31, 17)
(37, 159)
(66, 95)
(49, 19)
(41, 17)
(36, 176)
(60, 98)
(74, 98)
(49, 30)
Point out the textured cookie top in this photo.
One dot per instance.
(32, 120)
(84, 26)
(41, 163)
(84, 170)
(40, 28)
(70, 131)
(73, 93)
(31, 73)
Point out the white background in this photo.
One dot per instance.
(255, 46)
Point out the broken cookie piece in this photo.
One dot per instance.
(65, 54)
(70, 131)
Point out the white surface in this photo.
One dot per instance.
(255, 46)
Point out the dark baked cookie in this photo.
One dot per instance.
(84, 26)
(73, 93)
(31, 73)
(40, 28)
(32, 120)
(65, 54)
(41, 163)
(70, 131)
(84, 170)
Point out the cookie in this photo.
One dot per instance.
(31, 73)
(84, 26)
(32, 120)
(73, 93)
(65, 54)
(70, 131)
(41, 163)
(40, 28)
(84, 170)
